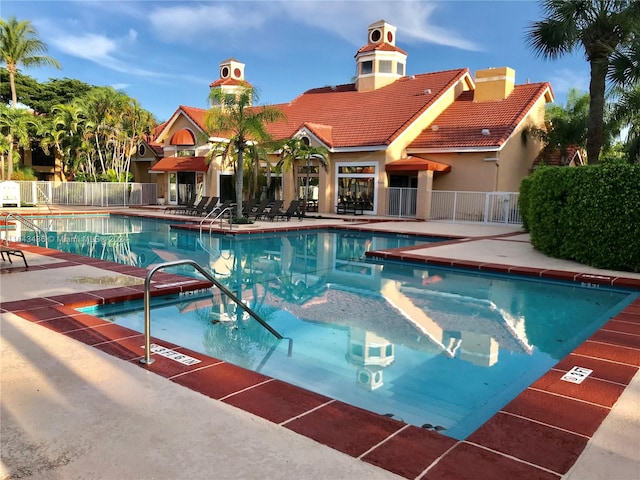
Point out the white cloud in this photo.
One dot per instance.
(201, 22)
(88, 46)
(564, 79)
(189, 23)
(347, 19)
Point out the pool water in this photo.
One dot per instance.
(434, 347)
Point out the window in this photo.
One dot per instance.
(356, 182)
(385, 66)
(400, 69)
(366, 68)
(186, 153)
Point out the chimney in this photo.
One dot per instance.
(494, 84)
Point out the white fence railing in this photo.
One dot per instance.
(485, 207)
(103, 194)
(401, 202)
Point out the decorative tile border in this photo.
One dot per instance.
(540, 434)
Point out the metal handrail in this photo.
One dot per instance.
(24, 221)
(219, 216)
(46, 199)
(147, 305)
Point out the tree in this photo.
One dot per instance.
(625, 115)
(233, 117)
(298, 150)
(20, 45)
(565, 126)
(603, 29)
(16, 126)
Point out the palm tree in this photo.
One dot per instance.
(626, 117)
(602, 28)
(20, 45)
(564, 126)
(69, 134)
(16, 125)
(233, 117)
(298, 150)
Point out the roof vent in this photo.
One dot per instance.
(333, 87)
(435, 128)
(485, 131)
(412, 77)
(427, 91)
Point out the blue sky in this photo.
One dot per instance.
(166, 53)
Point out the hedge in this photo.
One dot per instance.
(587, 214)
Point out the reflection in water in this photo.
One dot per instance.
(431, 346)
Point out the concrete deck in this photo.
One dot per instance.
(72, 411)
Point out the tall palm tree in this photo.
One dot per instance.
(297, 150)
(565, 126)
(20, 45)
(233, 117)
(16, 126)
(626, 116)
(600, 28)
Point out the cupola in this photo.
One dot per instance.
(231, 76)
(379, 62)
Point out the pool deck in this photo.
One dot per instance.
(77, 403)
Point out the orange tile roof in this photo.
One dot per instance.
(359, 119)
(462, 124)
(380, 46)
(181, 164)
(555, 157)
(195, 114)
(229, 81)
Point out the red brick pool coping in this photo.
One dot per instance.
(540, 434)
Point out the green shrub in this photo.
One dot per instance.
(588, 214)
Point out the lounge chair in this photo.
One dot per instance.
(207, 209)
(293, 209)
(274, 211)
(223, 206)
(248, 206)
(174, 208)
(259, 210)
(187, 210)
(9, 251)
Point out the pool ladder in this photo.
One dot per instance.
(147, 305)
(19, 218)
(220, 216)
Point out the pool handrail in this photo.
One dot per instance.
(219, 216)
(19, 218)
(147, 304)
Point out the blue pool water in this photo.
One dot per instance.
(431, 346)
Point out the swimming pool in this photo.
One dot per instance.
(438, 348)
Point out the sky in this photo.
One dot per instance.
(166, 53)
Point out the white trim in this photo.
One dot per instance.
(417, 151)
(430, 107)
(374, 176)
(496, 78)
(174, 118)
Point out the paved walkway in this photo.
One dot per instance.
(72, 411)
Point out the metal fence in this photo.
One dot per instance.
(401, 202)
(484, 207)
(102, 194)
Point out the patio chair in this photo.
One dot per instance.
(274, 211)
(187, 210)
(175, 208)
(259, 210)
(223, 206)
(248, 206)
(208, 208)
(292, 209)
